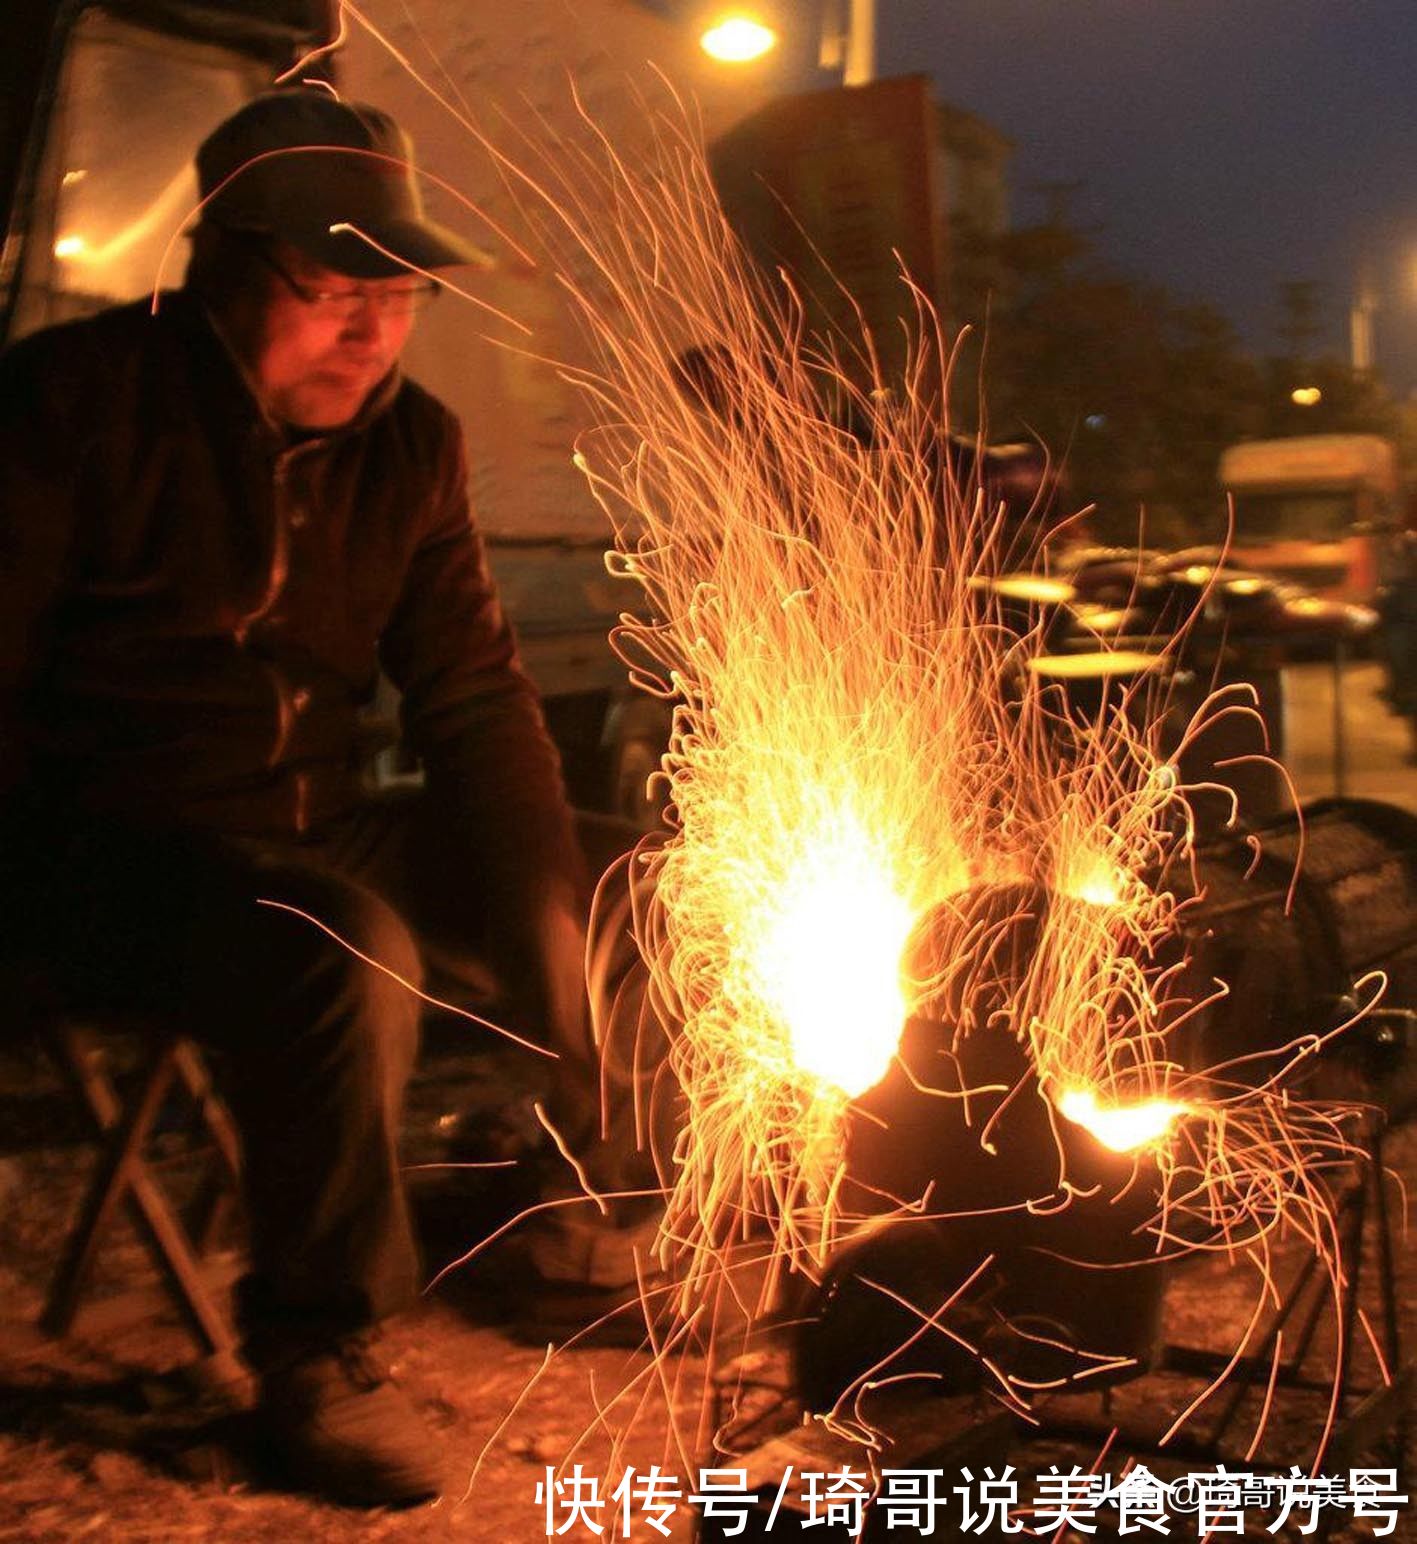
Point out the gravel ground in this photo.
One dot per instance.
(101, 1439)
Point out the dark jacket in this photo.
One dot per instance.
(194, 609)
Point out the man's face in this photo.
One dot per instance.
(316, 359)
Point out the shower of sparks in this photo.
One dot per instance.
(859, 737)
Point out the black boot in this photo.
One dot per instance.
(346, 1431)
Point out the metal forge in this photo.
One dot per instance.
(1036, 1268)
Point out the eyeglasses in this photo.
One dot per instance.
(396, 300)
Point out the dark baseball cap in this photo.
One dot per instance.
(292, 164)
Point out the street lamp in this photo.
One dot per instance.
(738, 39)
(848, 39)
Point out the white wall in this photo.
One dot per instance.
(512, 62)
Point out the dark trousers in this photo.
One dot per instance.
(315, 1043)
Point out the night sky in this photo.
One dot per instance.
(1224, 145)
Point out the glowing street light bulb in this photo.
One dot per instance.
(737, 40)
(70, 246)
(1306, 396)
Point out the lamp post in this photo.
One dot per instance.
(1360, 326)
(849, 40)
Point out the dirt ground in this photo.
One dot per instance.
(104, 1437)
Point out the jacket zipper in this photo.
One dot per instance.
(280, 553)
(275, 584)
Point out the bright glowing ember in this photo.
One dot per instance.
(827, 961)
(1123, 1128)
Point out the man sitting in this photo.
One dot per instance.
(219, 522)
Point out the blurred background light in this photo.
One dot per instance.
(737, 39)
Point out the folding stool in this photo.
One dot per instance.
(126, 1175)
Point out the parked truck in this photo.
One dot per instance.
(1320, 509)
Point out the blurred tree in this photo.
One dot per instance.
(1136, 391)
(1349, 402)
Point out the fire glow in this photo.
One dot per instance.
(1123, 1128)
(858, 736)
(827, 962)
